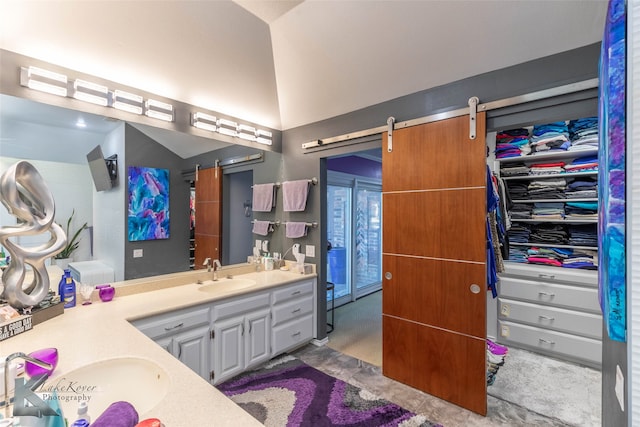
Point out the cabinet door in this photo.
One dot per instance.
(166, 343)
(257, 337)
(191, 348)
(228, 348)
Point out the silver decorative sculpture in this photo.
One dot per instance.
(26, 196)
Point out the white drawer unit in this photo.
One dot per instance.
(292, 334)
(560, 295)
(560, 319)
(550, 310)
(293, 291)
(575, 348)
(240, 305)
(292, 309)
(176, 321)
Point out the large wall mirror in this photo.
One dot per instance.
(57, 140)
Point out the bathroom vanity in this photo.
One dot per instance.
(214, 328)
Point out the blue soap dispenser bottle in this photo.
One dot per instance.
(67, 289)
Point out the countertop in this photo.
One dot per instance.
(85, 334)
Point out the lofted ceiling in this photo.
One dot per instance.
(284, 64)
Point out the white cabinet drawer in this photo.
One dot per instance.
(572, 347)
(292, 309)
(293, 291)
(573, 322)
(291, 334)
(175, 321)
(552, 274)
(240, 305)
(573, 297)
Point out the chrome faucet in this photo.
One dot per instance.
(207, 262)
(8, 360)
(216, 266)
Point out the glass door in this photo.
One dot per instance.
(354, 262)
(339, 236)
(367, 239)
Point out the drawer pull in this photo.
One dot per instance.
(543, 317)
(547, 294)
(542, 340)
(296, 334)
(179, 325)
(297, 310)
(295, 293)
(547, 276)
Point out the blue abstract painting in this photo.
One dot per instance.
(611, 178)
(148, 204)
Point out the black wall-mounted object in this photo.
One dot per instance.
(104, 171)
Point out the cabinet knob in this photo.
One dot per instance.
(388, 275)
(474, 288)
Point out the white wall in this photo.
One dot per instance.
(108, 210)
(72, 187)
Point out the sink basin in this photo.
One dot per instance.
(141, 382)
(226, 285)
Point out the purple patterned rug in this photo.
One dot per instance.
(287, 392)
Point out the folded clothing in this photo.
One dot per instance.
(118, 414)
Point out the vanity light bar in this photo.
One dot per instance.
(227, 127)
(159, 110)
(264, 137)
(58, 84)
(91, 92)
(204, 121)
(247, 132)
(126, 101)
(44, 81)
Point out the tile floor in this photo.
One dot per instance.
(369, 377)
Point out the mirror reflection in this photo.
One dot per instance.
(57, 140)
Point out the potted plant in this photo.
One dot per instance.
(63, 258)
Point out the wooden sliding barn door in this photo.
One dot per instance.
(208, 234)
(434, 254)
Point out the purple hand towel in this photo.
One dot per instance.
(296, 229)
(294, 195)
(118, 414)
(263, 197)
(261, 227)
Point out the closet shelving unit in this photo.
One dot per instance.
(547, 309)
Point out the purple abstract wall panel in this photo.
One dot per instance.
(148, 204)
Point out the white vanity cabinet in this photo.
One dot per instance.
(241, 332)
(223, 338)
(183, 333)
